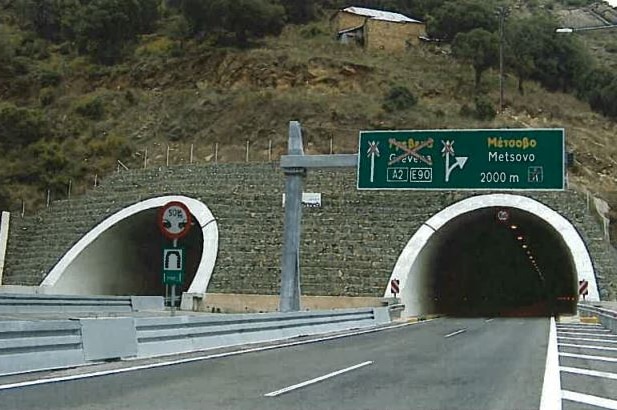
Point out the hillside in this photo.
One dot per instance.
(178, 94)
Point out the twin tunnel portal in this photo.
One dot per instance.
(488, 255)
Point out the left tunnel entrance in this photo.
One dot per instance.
(127, 260)
(123, 255)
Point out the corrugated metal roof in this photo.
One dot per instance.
(380, 15)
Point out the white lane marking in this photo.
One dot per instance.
(614, 349)
(586, 339)
(194, 359)
(316, 380)
(598, 328)
(585, 334)
(589, 357)
(551, 387)
(489, 320)
(587, 372)
(589, 399)
(458, 332)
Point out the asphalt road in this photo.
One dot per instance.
(442, 364)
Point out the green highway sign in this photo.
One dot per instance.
(485, 159)
(173, 266)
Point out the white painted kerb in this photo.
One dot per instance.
(410, 284)
(202, 215)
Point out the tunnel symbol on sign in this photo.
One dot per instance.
(172, 259)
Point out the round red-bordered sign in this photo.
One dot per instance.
(503, 215)
(174, 220)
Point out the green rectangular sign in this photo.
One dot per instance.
(173, 266)
(498, 159)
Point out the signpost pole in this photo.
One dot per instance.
(173, 289)
(290, 263)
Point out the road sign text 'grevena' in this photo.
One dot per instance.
(498, 159)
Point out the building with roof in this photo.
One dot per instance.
(377, 29)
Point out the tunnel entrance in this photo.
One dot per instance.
(123, 254)
(481, 266)
(485, 258)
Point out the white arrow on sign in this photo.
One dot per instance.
(373, 149)
(448, 150)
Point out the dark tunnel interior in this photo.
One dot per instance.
(127, 259)
(481, 266)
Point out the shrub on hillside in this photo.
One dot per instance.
(399, 98)
(484, 109)
(20, 126)
(47, 96)
(91, 108)
(49, 78)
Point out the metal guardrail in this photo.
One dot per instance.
(41, 303)
(37, 345)
(607, 317)
(159, 336)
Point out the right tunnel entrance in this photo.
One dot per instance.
(482, 257)
(482, 266)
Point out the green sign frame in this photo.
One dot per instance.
(506, 159)
(173, 266)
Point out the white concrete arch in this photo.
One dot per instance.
(202, 215)
(406, 267)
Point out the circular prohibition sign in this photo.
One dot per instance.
(174, 220)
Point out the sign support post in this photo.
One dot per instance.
(290, 262)
(173, 289)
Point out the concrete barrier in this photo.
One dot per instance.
(41, 303)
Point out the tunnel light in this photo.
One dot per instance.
(513, 226)
(524, 246)
(530, 257)
(520, 238)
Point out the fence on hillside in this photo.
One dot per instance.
(168, 155)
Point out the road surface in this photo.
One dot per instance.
(442, 364)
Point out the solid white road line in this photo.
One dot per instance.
(551, 387)
(587, 372)
(589, 399)
(613, 349)
(194, 359)
(589, 357)
(458, 332)
(585, 334)
(316, 380)
(489, 320)
(585, 339)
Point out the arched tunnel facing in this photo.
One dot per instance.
(126, 259)
(467, 261)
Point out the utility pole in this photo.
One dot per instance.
(502, 13)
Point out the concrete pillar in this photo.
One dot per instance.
(290, 261)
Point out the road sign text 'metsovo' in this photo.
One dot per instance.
(499, 159)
